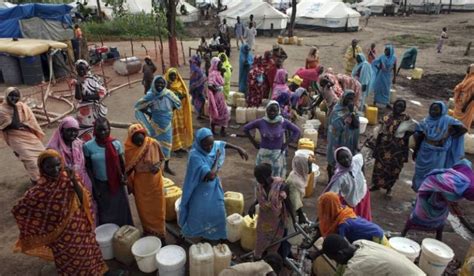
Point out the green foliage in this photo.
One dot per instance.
(127, 26)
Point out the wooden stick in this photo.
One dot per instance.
(468, 48)
(131, 44)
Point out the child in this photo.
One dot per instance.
(442, 38)
(372, 54)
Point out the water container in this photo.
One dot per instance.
(363, 124)
(230, 99)
(280, 39)
(451, 103)
(31, 70)
(10, 70)
(393, 95)
(300, 42)
(286, 40)
(238, 95)
(167, 182)
(469, 143)
(321, 117)
(417, 73)
(261, 112)
(251, 114)
(435, 257)
(176, 208)
(127, 66)
(306, 143)
(371, 113)
(104, 235)
(311, 134)
(248, 237)
(171, 195)
(240, 115)
(233, 226)
(406, 247)
(315, 122)
(145, 250)
(234, 203)
(229, 110)
(171, 261)
(201, 260)
(222, 258)
(312, 180)
(241, 102)
(123, 241)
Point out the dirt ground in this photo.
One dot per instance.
(441, 73)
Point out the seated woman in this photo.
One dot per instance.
(349, 182)
(202, 213)
(55, 220)
(312, 61)
(440, 189)
(143, 166)
(334, 218)
(21, 131)
(273, 213)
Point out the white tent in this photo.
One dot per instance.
(264, 15)
(191, 16)
(456, 5)
(328, 14)
(138, 6)
(375, 6)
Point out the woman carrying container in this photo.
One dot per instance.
(202, 212)
(276, 133)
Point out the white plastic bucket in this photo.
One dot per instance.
(171, 261)
(363, 124)
(145, 250)
(435, 257)
(406, 247)
(104, 235)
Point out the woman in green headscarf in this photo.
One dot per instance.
(227, 73)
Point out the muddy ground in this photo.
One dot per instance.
(441, 73)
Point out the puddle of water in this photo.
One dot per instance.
(459, 228)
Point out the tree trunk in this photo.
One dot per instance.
(293, 18)
(99, 10)
(172, 44)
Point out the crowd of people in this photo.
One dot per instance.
(81, 178)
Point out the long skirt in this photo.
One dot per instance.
(218, 112)
(150, 201)
(276, 158)
(178, 130)
(112, 208)
(363, 209)
(27, 147)
(390, 157)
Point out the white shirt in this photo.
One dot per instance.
(215, 42)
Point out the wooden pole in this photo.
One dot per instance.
(156, 48)
(163, 67)
(468, 48)
(103, 73)
(131, 44)
(182, 51)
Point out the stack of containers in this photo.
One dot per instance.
(251, 114)
(240, 115)
(261, 111)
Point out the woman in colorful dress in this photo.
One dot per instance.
(202, 211)
(351, 83)
(155, 112)
(245, 63)
(218, 113)
(64, 140)
(21, 131)
(55, 220)
(257, 82)
(197, 85)
(183, 117)
(281, 92)
(89, 92)
(334, 218)
(439, 142)
(464, 98)
(106, 167)
(349, 182)
(364, 74)
(274, 131)
(227, 69)
(391, 147)
(272, 214)
(143, 163)
(385, 70)
(312, 61)
(270, 71)
(343, 129)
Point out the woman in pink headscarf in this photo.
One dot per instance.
(64, 140)
(218, 112)
(281, 92)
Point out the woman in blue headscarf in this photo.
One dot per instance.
(245, 63)
(439, 142)
(202, 212)
(343, 129)
(364, 74)
(384, 66)
(155, 112)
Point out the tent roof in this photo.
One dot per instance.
(324, 8)
(138, 6)
(256, 7)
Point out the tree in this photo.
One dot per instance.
(293, 18)
(170, 6)
(99, 10)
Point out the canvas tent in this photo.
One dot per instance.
(326, 14)
(375, 6)
(192, 13)
(456, 5)
(264, 15)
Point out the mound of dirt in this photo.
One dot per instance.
(437, 86)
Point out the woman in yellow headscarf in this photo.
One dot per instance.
(227, 73)
(143, 160)
(464, 98)
(182, 118)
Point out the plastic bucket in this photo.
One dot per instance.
(406, 247)
(363, 124)
(171, 261)
(435, 257)
(145, 250)
(104, 235)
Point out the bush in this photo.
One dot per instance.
(128, 26)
